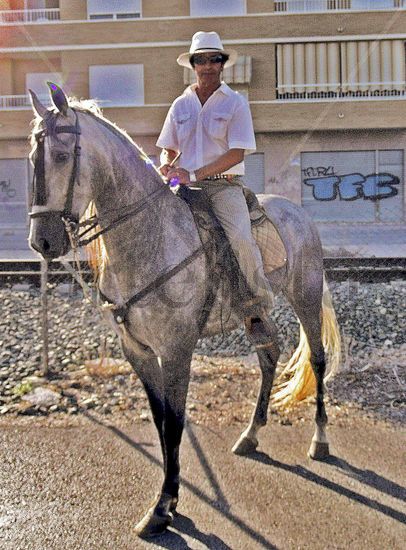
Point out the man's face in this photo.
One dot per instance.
(208, 66)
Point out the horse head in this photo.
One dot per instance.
(58, 200)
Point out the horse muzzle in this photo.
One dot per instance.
(48, 234)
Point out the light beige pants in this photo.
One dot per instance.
(229, 205)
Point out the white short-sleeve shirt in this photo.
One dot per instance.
(204, 132)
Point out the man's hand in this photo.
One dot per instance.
(178, 175)
(164, 169)
(168, 158)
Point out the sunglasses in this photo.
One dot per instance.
(202, 59)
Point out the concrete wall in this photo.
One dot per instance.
(73, 9)
(6, 80)
(255, 27)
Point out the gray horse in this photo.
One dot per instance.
(155, 272)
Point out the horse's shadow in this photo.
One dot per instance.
(173, 540)
(366, 477)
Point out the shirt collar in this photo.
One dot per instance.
(223, 88)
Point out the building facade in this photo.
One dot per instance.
(325, 80)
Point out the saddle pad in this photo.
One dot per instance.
(270, 244)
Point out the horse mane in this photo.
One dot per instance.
(90, 107)
(97, 256)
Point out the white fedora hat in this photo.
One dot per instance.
(206, 42)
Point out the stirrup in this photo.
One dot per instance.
(255, 307)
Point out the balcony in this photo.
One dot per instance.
(334, 91)
(312, 6)
(12, 17)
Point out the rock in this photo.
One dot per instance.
(42, 397)
(33, 381)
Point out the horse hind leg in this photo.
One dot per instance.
(262, 334)
(319, 447)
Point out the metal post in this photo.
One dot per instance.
(44, 315)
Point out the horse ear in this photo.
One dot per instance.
(37, 106)
(59, 98)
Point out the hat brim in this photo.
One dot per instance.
(183, 59)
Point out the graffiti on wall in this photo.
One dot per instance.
(6, 189)
(327, 186)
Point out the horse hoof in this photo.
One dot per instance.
(153, 524)
(245, 446)
(318, 450)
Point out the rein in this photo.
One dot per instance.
(72, 225)
(93, 222)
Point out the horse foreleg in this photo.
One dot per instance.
(175, 379)
(158, 516)
(263, 335)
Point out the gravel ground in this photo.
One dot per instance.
(372, 378)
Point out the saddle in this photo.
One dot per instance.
(272, 249)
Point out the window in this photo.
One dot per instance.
(40, 4)
(301, 5)
(202, 8)
(13, 204)
(374, 4)
(325, 5)
(113, 9)
(38, 83)
(353, 186)
(114, 85)
(341, 69)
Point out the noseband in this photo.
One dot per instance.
(38, 184)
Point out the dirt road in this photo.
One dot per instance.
(83, 487)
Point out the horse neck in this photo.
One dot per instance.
(120, 176)
(150, 241)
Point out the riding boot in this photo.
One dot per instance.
(257, 306)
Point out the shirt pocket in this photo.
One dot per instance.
(218, 125)
(183, 125)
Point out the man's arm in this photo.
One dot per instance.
(220, 165)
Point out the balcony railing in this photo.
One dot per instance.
(368, 90)
(15, 102)
(292, 6)
(11, 17)
(22, 102)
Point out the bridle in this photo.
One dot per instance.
(71, 222)
(38, 185)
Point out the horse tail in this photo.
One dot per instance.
(297, 377)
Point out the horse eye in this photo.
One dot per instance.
(61, 157)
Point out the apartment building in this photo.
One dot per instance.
(325, 80)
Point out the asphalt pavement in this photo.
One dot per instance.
(84, 487)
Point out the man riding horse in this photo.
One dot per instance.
(211, 126)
